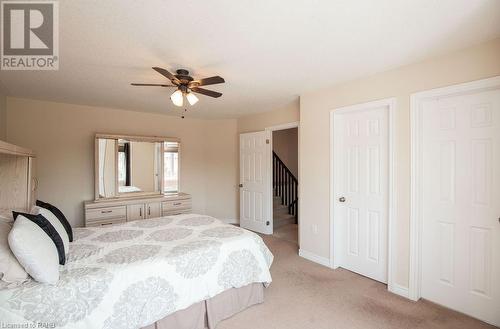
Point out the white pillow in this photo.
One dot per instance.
(34, 250)
(10, 269)
(56, 223)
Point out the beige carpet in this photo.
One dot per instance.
(289, 232)
(305, 295)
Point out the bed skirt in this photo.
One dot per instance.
(208, 313)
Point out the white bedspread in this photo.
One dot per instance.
(131, 275)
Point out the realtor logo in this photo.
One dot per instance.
(30, 35)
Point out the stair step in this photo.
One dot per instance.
(277, 203)
(281, 211)
(280, 220)
(277, 200)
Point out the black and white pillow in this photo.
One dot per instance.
(58, 213)
(34, 248)
(45, 225)
(56, 223)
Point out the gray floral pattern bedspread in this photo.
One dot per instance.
(133, 274)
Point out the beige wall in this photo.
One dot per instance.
(62, 135)
(285, 145)
(260, 121)
(3, 117)
(221, 169)
(470, 64)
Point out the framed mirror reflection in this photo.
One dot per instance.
(132, 166)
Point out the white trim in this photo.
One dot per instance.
(399, 290)
(416, 101)
(391, 104)
(314, 258)
(270, 130)
(392, 210)
(284, 126)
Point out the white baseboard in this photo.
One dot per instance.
(399, 290)
(314, 258)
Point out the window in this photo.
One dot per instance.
(171, 167)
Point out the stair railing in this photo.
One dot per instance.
(285, 186)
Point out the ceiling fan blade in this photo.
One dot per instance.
(206, 92)
(151, 85)
(167, 74)
(207, 81)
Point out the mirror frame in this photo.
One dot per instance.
(134, 138)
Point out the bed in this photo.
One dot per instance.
(184, 271)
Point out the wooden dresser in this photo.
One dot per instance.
(116, 211)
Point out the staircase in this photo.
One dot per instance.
(280, 214)
(285, 200)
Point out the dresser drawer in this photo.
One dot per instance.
(176, 212)
(106, 213)
(176, 205)
(105, 222)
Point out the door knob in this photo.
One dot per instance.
(342, 199)
(241, 185)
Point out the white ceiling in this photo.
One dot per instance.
(269, 51)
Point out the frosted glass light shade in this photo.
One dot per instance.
(177, 98)
(192, 99)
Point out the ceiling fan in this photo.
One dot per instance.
(186, 86)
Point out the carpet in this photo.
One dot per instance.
(305, 295)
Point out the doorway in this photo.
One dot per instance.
(285, 182)
(269, 181)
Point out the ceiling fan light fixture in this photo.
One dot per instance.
(185, 85)
(192, 99)
(177, 98)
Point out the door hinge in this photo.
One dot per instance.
(267, 223)
(267, 141)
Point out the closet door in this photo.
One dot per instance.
(135, 212)
(460, 203)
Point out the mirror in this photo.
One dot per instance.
(106, 163)
(128, 166)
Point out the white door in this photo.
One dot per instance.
(361, 177)
(153, 210)
(135, 211)
(460, 193)
(255, 169)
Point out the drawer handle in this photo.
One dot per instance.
(106, 211)
(103, 224)
(177, 203)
